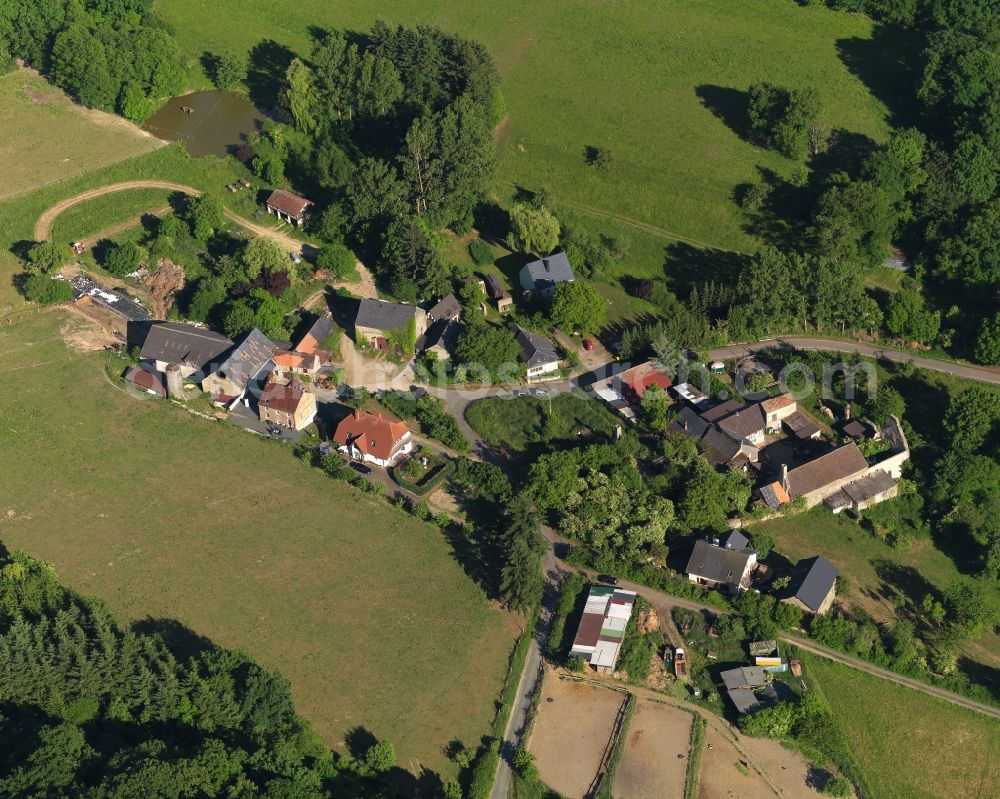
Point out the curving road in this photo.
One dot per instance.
(364, 287)
(983, 374)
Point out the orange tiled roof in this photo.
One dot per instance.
(372, 433)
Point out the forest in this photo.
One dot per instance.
(90, 709)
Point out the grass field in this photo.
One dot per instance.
(910, 745)
(516, 424)
(18, 215)
(168, 517)
(44, 137)
(103, 213)
(660, 83)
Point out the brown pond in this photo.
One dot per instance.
(209, 123)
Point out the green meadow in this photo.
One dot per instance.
(660, 83)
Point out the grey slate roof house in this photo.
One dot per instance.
(537, 352)
(376, 318)
(745, 425)
(819, 478)
(722, 410)
(191, 348)
(447, 308)
(245, 362)
(718, 567)
(813, 585)
(546, 273)
(689, 423)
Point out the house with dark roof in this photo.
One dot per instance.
(813, 585)
(537, 353)
(602, 627)
(745, 426)
(150, 382)
(689, 423)
(288, 207)
(801, 426)
(288, 405)
(191, 348)
(445, 309)
(249, 360)
(373, 438)
(721, 449)
(542, 276)
(716, 566)
(722, 410)
(376, 319)
(876, 486)
(825, 475)
(858, 429)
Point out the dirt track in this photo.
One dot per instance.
(364, 287)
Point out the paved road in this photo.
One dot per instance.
(530, 680)
(983, 374)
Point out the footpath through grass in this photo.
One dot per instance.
(207, 532)
(910, 745)
(660, 82)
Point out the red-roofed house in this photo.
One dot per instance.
(285, 205)
(636, 380)
(373, 437)
(287, 405)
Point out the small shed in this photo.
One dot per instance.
(288, 207)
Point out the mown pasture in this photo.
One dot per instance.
(204, 531)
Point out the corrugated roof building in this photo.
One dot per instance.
(602, 628)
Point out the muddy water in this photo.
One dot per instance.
(217, 123)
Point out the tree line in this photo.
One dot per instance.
(116, 55)
(88, 709)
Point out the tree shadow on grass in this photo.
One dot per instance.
(889, 64)
(686, 266)
(729, 105)
(905, 580)
(269, 61)
(359, 740)
(180, 639)
(981, 674)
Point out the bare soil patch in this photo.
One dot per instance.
(571, 733)
(654, 761)
(721, 777)
(89, 328)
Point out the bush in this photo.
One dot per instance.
(481, 252)
(524, 764)
(838, 786)
(124, 258)
(339, 260)
(46, 291)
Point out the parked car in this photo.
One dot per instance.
(274, 431)
(361, 468)
(519, 392)
(539, 392)
(588, 344)
(296, 258)
(607, 579)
